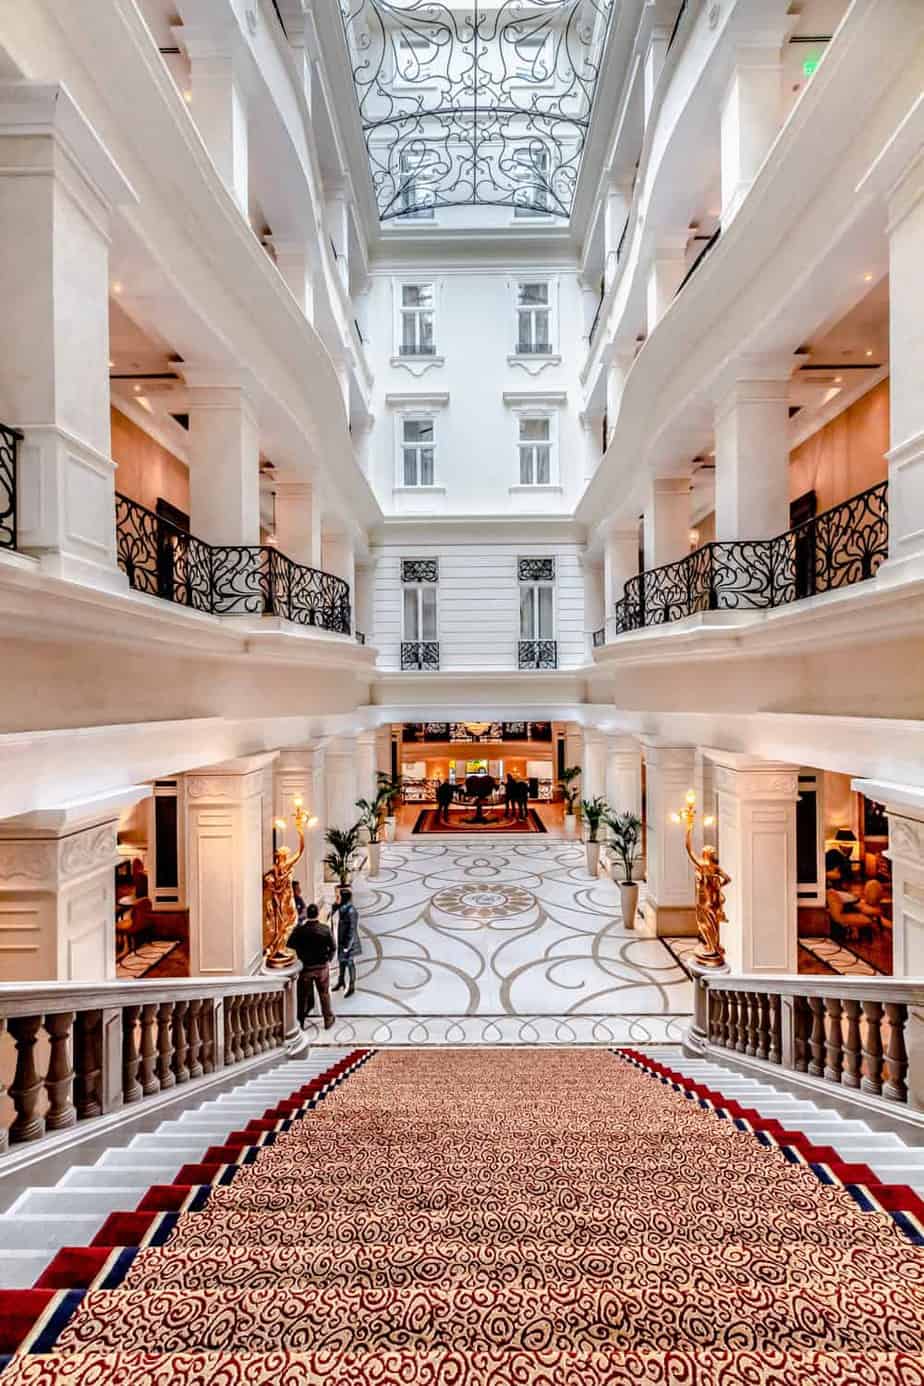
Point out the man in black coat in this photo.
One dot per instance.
(444, 795)
(314, 946)
(348, 944)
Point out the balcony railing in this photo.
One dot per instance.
(420, 654)
(534, 348)
(838, 548)
(417, 349)
(160, 558)
(10, 438)
(599, 637)
(537, 654)
(360, 637)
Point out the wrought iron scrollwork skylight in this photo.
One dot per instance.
(475, 101)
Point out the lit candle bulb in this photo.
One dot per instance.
(297, 802)
(691, 797)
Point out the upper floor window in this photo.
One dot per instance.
(417, 320)
(419, 618)
(537, 598)
(412, 194)
(418, 451)
(532, 163)
(534, 318)
(535, 451)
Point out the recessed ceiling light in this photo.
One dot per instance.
(137, 389)
(868, 278)
(869, 351)
(116, 286)
(838, 379)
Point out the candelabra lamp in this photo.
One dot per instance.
(279, 916)
(710, 881)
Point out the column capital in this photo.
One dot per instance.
(749, 778)
(48, 109)
(752, 379)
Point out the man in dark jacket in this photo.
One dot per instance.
(314, 946)
(348, 944)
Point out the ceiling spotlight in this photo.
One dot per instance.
(116, 286)
(867, 278)
(838, 379)
(137, 389)
(869, 351)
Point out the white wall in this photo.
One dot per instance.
(478, 602)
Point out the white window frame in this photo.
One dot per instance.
(552, 308)
(418, 588)
(529, 211)
(415, 416)
(551, 417)
(533, 587)
(400, 286)
(422, 213)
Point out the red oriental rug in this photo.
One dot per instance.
(460, 821)
(500, 1217)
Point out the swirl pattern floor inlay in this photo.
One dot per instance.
(468, 942)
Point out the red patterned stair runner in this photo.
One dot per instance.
(509, 1216)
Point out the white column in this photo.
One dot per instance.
(298, 521)
(337, 216)
(594, 607)
(338, 557)
(366, 765)
(224, 866)
(906, 853)
(58, 186)
(670, 902)
(624, 775)
(751, 116)
(296, 17)
(618, 366)
(224, 450)
(665, 275)
(295, 263)
(757, 848)
(752, 457)
(618, 201)
(219, 104)
(574, 750)
(654, 62)
(363, 617)
(340, 774)
(620, 563)
(906, 372)
(57, 891)
(593, 781)
(667, 520)
(299, 773)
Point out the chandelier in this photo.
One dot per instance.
(477, 728)
(475, 103)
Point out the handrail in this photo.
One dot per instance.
(164, 560)
(838, 548)
(10, 438)
(111, 1044)
(907, 989)
(699, 259)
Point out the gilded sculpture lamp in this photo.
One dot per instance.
(710, 880)
(279, 915)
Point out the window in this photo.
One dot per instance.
(412, 198)
(419, 615)
(417, 320)
(537, 610)
(532, 197)
(417, 452)
(535, 447)
(534, 319)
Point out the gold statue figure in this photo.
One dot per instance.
(710, 880)
(279, 917)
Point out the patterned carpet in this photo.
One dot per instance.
(460, 821)
(499, 1218)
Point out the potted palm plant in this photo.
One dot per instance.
(390, 789)
(569, 792)
(370, 822)
(343, 844)
(626, 830)
(593, 811)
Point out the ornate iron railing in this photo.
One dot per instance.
(537, 654)
(360, 637)
(599, 637)
(160, 558)
(10, 438)
(420, 654)
(839, 547)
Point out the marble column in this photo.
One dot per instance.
(906, 852)
(57, 891)
(340, 768)
(757, 847)
(593, 781)
(217, 58)
(667, 520)
(752, 453)
(669, 908)
(224, 865)
(752, 112)
(295, 262)
(338, 557)
(299, 773)
(665, 275)
(624, 775)
(298, 521)
(620, 563)
(224, 450)
(366, 761)
(58, 189)
(618, 202)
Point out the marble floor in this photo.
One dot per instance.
(469, 941)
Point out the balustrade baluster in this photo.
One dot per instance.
(247, 1050)
(195, 1040)
(180, 1045)
(26, 1087)
(850, 1075)
(801, 1024)
(725, 1020)
(165, 1045)
(872, 1048)
(816, 1064)
(834, 1040)
(896, 1065)
(150, 1083)
(750, 1046)
(232, 1052)
(261, 1041)
(732, 1020)
(208, 1036)
(61, 1111)
(88, 1064)
(775, 1054)
(763, 1025)
(741, 1038)
(131, 1054)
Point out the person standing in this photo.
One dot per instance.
(348, 944)
(314, 947)
(301, 904)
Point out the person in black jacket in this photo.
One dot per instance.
(314, 947)
(348, 944)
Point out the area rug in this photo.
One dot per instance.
(839, 959)
(488, 1218)
(141, 960)
(460, 822)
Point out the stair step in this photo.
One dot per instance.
(71, 1202)
(127, 1177)
(19, 1270)
(37, 1231)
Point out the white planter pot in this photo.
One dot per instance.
(374, 849)
(570, 822)
(628, 895)
(593, 857)
(391, 826)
